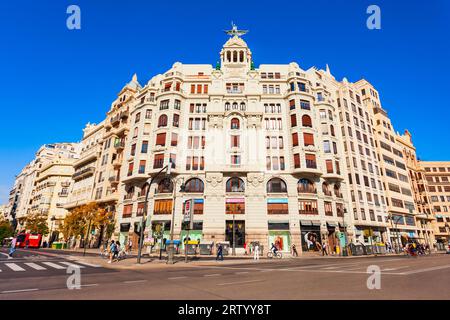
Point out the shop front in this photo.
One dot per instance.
(194, 235)
(239, 232)
(333, 241)
(279, 235)
(310, 235)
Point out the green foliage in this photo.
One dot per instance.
(37, 223)
(6, 230)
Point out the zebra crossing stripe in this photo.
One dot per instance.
(53, 265)
(35, 266)
(70, 264)
(14, 267)
(88, 264)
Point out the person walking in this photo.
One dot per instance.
(112, 250)
(219, 252)
(12, 248)
(324, 249)
(294, 251)
(130, 246)
(256, 251)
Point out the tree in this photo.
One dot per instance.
(6, 230)
(37, 223)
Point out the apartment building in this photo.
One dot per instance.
(437, 175)
(82, 188)
(424, 218)
(396, 184)
(256, 149)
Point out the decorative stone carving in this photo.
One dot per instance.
(214, 179)
(254, 121)
(255, 179)
(215, 121)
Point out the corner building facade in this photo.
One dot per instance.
(257, 146)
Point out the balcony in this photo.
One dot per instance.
(115, 120)
(81, 174)
(114, 180)
(313, 211)
(117, 163)
(120, 145)
(65, 184)
(63, 194)
(124, 114)
(308, 172)
(333, 176)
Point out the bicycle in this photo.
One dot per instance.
(271, 255)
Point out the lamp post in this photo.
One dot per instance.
(234, 238)
(50, 240)
(396, 227)
(144, 216)
(172, 224)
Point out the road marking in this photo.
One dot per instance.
(243, 272)
(330, 268)
(89, 285)
(7, 255)
(238, 282)
(53, 265)
(22, 290)
(88, 264)
(174, 278)
(392, 269)
(426, 269)
(134, 281)
(14, 267)
(70, 264)
(35, 266)
(212, 275)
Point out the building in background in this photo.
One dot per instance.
(437, 174)
(424, 218)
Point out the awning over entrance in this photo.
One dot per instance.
(310, 223)
(332, 224)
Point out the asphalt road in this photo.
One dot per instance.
(300, 278)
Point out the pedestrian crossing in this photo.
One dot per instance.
(23, 266)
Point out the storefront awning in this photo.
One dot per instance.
(310, 223)
(332, 224)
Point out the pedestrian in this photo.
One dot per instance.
(130, 246)
(324, 249)
(256, 251)
(294, 251)
(245, 248)
(12, 248)
(112, 250)
(219, 252)
(117, 250)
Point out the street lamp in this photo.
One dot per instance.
(234, 238)
(144, 216)
(172, 224)
(50, 240)
(396, 227)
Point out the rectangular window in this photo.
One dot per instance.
(176, 120)
(140, 209)
(308, 139)
(144, 147)
(328, 208)
(130, 168)
(311, 161)
(307, 207)
(293, 120)
(163, 206)
(329, 165)
(127, 210)
(296, 160)
(235, 141)
(161, 139)
(158, 161)
(235, 206)
(292, 104)
(174, 139)
(295, 139)
(141, 166)
(277, 206)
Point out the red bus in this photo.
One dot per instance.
(30, 240)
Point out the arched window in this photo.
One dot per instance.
(235, 123)
(162, 121)
(229, 56)
(242, 106)
(306, 186)
(326, 189)
(227, 106)
(276, 185)
(235, 184)
(130, 193)
(235, 56)
(235, 105)
(194, 185)
(332, 130)
(337, 190)
(143, 191)
(165, 186)
(306, 121)
(241, 56)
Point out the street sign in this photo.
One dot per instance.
(189, 212)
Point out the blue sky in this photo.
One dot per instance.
(54, 80)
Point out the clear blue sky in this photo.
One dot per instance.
(53, 80)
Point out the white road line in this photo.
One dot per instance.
(88, 264)
(174, 278)
(70, 264)
(243, 272)
(212, 275)
(14, 267)
(54, 265)
(426, 269)
(238, 282)
(35, 266)
(392, 269)
(134, 281)
(330, 268)
(22, 290)
(6, 255)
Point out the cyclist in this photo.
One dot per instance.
(274, 249)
